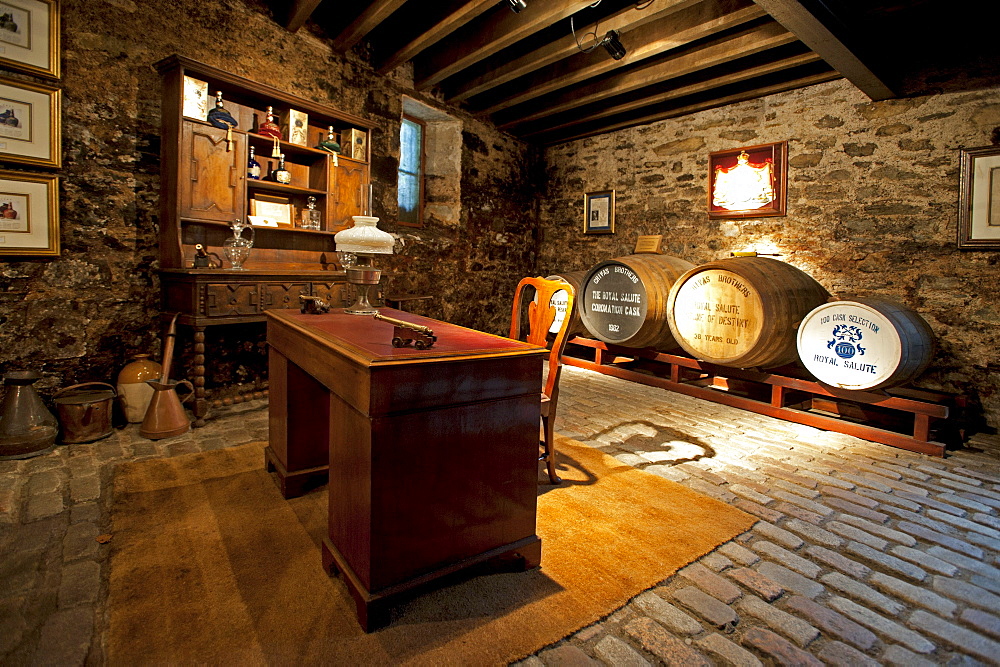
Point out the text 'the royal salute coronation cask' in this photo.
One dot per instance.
(742, 311)
(623, 301)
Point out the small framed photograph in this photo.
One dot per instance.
(271, 210)
(29, 36)
(29, 214)
(979, 198)
(296, 127)
(748, 182)
(599, 212)
(29, 123)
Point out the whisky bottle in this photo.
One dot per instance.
(282, 175)
(269, 128)
(253, 167)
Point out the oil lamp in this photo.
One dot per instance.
(364, 240)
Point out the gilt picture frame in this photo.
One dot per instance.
(748, 182)
(29, 214)
(29, 37)
(979, 198)
(599, 212)
(30, 123)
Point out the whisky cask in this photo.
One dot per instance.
(623, 301)
(575, 279)
(742, 311)
(865, 343)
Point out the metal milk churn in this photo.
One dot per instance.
(27, 428)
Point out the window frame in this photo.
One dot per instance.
(421, 173)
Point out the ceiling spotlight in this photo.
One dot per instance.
(517, 5)
(613, 45)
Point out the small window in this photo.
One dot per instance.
(411, 172)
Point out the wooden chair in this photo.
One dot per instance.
(540, 315)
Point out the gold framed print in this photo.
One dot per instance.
(29, 214)
(29, 36)
(29, 123)
(979, 198)
(599, 212)
(748, 182)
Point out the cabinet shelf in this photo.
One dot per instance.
(273, 186)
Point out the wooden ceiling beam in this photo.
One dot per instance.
(550, 53)
(716, 52)
(815, 34)
(455, 19)
(370, 18)
(792, 84)
(695, 88)
(299, 12)
(487, 37)
(652, 39)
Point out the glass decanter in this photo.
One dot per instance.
(237, 248)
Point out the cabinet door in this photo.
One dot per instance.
(212, 172)
(282, 295)
(230, 299)
(348, 186)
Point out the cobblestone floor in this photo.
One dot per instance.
(864, 554)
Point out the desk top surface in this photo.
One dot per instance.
(371, 339)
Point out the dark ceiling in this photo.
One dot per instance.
(529, 74)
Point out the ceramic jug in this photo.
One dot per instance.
(27, 428)
(133, 392)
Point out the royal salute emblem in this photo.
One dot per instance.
(845, 339)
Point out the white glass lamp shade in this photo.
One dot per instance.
(364, 237)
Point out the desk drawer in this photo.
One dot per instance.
(282, 295)
(230, 299)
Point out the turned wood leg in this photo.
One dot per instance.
(200, 404)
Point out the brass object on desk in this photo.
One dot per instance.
(404, 333)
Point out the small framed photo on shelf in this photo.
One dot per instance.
(748, 182)
(271, 209)
(296, 127)
(979, 198)
(599, 212)
(29, 214)
(29, 123)
(195, 98)
(29, 36)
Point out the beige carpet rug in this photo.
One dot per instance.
(210, 565)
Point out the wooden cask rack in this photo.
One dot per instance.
(902, 417)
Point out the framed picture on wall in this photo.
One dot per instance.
(29, 214)
(979, 198)
(748, 182)
(599, 212)
(29, 123)
(29, 36)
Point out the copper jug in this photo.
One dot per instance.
(27, 428)
(84, 412)
(165, 416)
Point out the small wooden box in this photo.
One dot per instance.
(354, 144)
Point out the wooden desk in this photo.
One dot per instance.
(432, 455)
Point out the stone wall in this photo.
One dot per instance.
(872, 207)
(79, 317)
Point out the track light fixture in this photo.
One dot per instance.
(614, 45)
(517, 5)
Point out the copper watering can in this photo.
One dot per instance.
(165, 416)
(84, 414)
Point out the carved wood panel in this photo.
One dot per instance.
(282, 295)
(230, 299)
(211, 174)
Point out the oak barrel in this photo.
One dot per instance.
(742, 311)
(623, 301)
(575, 279)
(865, 343)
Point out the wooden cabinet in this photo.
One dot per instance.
(205, 187)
